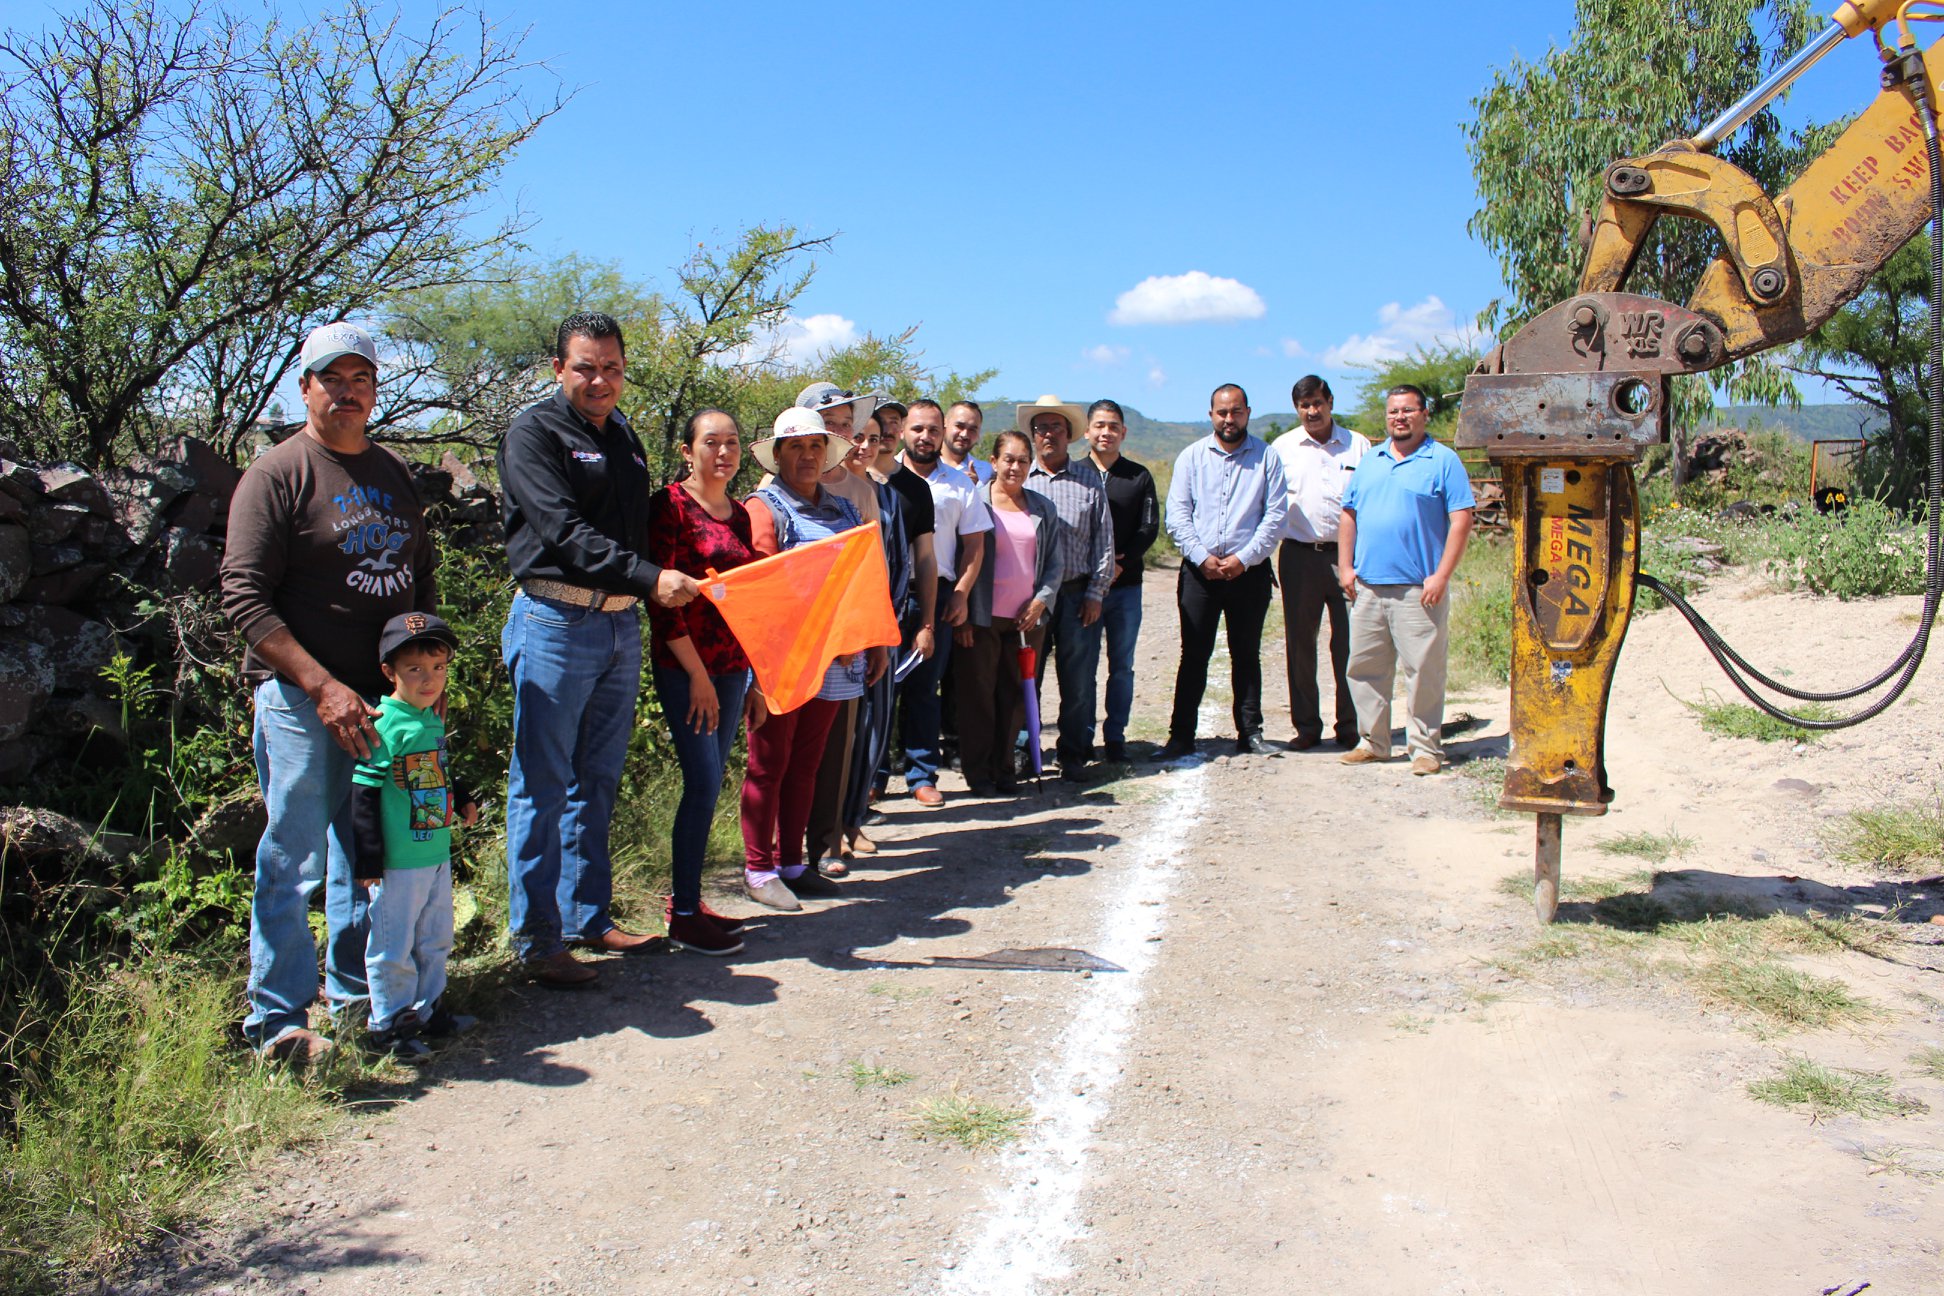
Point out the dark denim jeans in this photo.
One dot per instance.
(919, 705)
(703, 758)
(1120, 615)
(575, 675)
(1076, 664)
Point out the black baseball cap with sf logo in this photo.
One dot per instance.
(411, 628)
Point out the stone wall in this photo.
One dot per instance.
(88, 562)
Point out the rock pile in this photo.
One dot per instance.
(87, 558)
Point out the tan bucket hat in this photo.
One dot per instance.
(1076, 418)
(797, 422)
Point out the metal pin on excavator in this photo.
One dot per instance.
(1564, 408)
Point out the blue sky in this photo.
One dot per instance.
(1136, 200)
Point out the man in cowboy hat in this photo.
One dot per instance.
(576, 486)
(1086, 567)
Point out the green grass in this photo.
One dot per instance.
(1579, 887)
(1826, 1091)
(1929, 1061)
(142, 1106)
(968, 1122)
(875, 1077)
(1411, 1024)
(1484, 780)
(1782, 997)
(1904, 838)
(1479, 633)
(1656, 848)
(897, 993)
(1739, 720)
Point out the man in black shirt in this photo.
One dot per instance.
(576, 489)
(1137, 521)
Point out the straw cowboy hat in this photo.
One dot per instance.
(1076, 418)
(797, 422)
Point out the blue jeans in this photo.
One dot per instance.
(703, 758)
(575, 675)
(1121, 617)
(411, 938)
(919, 698)
(305, 778)
(1076, 664)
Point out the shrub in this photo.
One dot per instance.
(1481, 614)
(1865, 551)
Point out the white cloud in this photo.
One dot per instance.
(1193, 298)
(1402, 330)
(799, 342)
(1105, 356)
(1294, 350)
(1156, 376)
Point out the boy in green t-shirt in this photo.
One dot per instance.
(403, 805)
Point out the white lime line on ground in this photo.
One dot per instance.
(1035, 1211)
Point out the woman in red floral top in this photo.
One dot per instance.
(701, 674)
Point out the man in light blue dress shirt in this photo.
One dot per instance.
(1225, 512)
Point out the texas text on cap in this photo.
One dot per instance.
(414, 627)
(331, 342)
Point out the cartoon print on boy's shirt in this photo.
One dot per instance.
(422, 775)
(368, 526)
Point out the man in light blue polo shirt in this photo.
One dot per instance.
(1406, 516)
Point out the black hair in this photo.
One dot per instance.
(592, 325)
(924, 402)
(1310, 385)
(1236, 387)
(1104, 404)
(1410, 389)
(971, 405)
(692, 428)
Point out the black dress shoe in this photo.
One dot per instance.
(1303, 741)
(1248, 744)
(1176, 749)
(1347, 740)
(1116, 752)
(1076, 774)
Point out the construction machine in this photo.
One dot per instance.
(1564, 408)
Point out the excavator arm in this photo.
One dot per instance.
(1565, 406)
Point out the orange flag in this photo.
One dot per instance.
(795, 611)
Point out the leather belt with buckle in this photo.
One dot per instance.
(594, 600)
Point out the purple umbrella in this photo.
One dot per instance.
(1029, 696)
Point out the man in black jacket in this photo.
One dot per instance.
(1136, 513)
(576, 487)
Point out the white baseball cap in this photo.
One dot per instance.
(331, 342)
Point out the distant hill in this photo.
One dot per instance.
(1834, 422)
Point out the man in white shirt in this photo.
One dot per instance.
(964, 422)
(1317, 460)
(959, 511)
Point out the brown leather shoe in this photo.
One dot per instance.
(928, 796)
(1425, 765)
(1361, 756)
(561, 971)
(615, 941)
(301, 1048)
(862, 845)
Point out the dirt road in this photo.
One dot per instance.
(1340, 1057)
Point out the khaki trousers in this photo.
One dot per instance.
(1390, 627)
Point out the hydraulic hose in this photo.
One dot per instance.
(1904, 668)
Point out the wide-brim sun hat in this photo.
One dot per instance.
(1076, 418)
(799, 422)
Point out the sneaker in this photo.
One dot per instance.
(300, 1048)
(724, 921)
(773, 894)
(812, 885)
(1176, 749)
(698, 933)
(1361, 755)
(445, 1023)
(1425, 765)
(399, 1040)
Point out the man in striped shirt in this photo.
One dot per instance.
(1086, 566)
